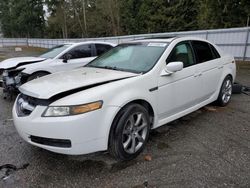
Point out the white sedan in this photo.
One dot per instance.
(19, 70)
(112, 103)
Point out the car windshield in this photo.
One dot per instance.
(137, 57)
(53, 52)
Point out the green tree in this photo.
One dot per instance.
(22, 18)
(99, 18)
(151, 16)
(223, 13)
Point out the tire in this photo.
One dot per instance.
(129, 132)
(36, 75)
(225, 92)
(237, 88)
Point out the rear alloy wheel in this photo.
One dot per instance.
(225, 92)
(130, 132)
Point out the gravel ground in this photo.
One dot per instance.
(208, 148)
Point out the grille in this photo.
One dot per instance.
(26, 104)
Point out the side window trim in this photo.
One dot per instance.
(192, 50)
(93, 50)
(195, 52)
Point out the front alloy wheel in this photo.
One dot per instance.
(129, 132)
(135, 132)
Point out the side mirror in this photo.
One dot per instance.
(66, 57)
(172, 67)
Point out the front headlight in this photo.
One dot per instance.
(58, 111)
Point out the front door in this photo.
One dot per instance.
(177, 92)
(80, 56)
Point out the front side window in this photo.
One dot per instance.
(55, 51)
(182, 52)
(82, 51)
(102, 48)
(137, 57)
(203, 51)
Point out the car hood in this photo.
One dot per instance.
(19, 61)
(71, 81)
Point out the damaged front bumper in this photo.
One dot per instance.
(11, 81)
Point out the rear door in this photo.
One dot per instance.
(209, 68)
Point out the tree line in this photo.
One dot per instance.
(99, 18)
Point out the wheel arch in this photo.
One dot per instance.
(223, 78)
(142, 102)
(146, 105)
(229, 75)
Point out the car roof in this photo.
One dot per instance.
(88, 42)
(168, 40)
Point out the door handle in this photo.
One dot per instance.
(220, 67)
(198, 74)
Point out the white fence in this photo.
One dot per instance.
(235, 41)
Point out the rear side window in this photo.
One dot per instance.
(182, 52)
(214, 51)
(81, 51)
(203, 51)
(102, 48)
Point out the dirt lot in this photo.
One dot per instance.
(208, 148)
(26, 51)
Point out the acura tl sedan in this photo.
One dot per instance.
(113, 102)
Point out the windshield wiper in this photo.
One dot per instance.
(91, 66)
(105, 67)
(114, 68)
(109, 67)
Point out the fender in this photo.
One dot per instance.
(227, 70)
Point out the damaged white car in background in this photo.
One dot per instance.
(19, 70)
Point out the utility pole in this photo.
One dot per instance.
(84, 18)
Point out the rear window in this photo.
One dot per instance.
(203, 51)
